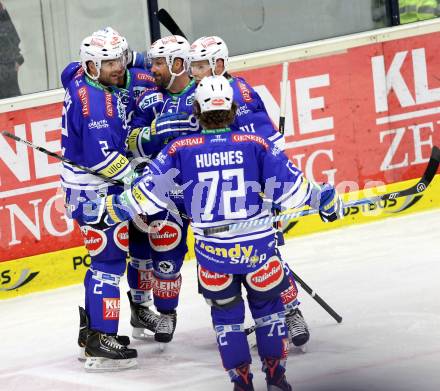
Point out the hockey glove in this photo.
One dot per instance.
(149, 141)
(105, 212)
(327, 201)
(172, 125)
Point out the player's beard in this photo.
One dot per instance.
(112, 79)
(160, 80)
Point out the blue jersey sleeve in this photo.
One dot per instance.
(137, 60)
(151, 193)
(284, 183)
(94, 131)
(148, 105)
(252, 116)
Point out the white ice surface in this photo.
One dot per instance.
(383, 278)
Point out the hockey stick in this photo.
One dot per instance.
(283, 97)
(168, 22)
(314, 295)
(73, 164)
(419, 187)
(63, 159)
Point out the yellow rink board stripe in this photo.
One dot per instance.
(67, 267)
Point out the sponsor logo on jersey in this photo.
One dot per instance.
(145, 77)
(167, 289)
(108, 104)
(110, 308)
(190, 100)
(79, 73)
(26, 276)
(148, 100)
(214, 281)
(164, 235)
(161, 157)
(244, 91)
(186, 142)
(166, 267)
(268, 276)
(94, 240)
(242, 110)
(218, 139)
(145, 279)
(237, 251)
(120, 236)
(290, 294)
(276, 151)
(240, 138)
(117, 166)
(84, 99)
(101, 124)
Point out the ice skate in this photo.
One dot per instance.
(275, 375)
(103, 352)
(143, 320)
(241, 377)
(165, 328)
(298, 330)
(84, 330)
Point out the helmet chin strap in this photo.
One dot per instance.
(173, 77)
(98, 68)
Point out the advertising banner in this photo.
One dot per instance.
(364, 117)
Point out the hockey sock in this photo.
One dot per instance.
(271, 331)
(140, 280)
(102, 301)
(231, 339)
(289, 296)
(166, 291)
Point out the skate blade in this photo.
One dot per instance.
(298, 349)
(141, 333)
(252, 341)
(101, 364)
(162, 346)
(82, 354)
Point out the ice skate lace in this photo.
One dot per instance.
(165, 324)
(112, 342)
(296, 324)
(149, 317)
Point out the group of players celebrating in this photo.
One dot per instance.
(193, 146)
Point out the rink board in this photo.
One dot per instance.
(67, 267)
(361, 110)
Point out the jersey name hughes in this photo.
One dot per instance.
(216, 159)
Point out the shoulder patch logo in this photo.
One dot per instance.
(245, 92)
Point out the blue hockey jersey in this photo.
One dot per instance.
(223, 176)
(95, 125)
(154, 102)
(252, 116)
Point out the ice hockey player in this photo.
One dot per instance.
(135, 80)
(209, 56)
(233, 167)
(161, 114)
(94, 130)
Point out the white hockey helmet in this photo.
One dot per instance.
(171, 47)
(102, 45)
(212, 49)
(214, 93)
